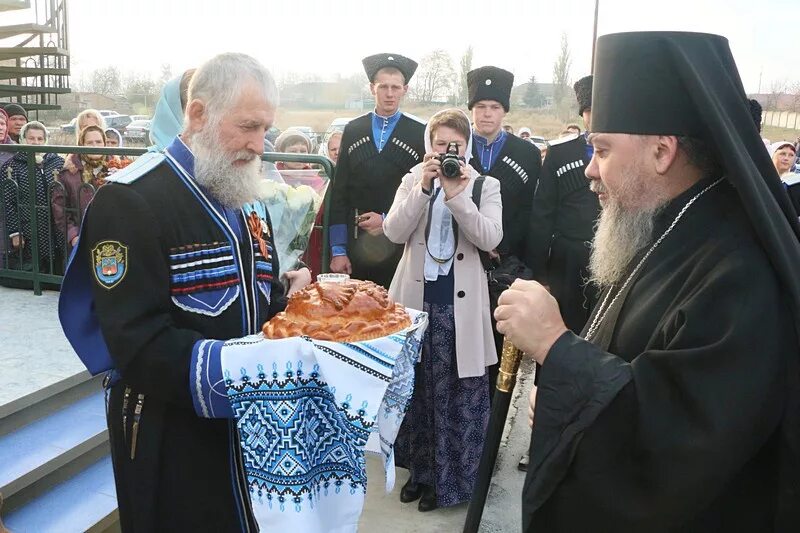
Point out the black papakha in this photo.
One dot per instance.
(681, 411)
(583, 93)
(490, 83)
(372, 64)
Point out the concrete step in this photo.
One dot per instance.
(47, 400)
(55, 467)
(42, 447)
(85, 501)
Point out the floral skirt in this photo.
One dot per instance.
(442, 436)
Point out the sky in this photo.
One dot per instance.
(329, 38)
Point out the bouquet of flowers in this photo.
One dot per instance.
(292, 209)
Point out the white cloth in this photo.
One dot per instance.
(304, 411)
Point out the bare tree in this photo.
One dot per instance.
(142, 89)
(106, 81)
(435, 77)
(465, 67)
(561, 71)
(776, 89)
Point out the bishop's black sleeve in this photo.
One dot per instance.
(145, 345)
(542, 223)
(647, 445)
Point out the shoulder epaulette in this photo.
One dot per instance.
(143, 164)
(563, 140)
(791, 181)
(414, 118)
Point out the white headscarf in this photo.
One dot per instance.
(39, 126)
(441, 240)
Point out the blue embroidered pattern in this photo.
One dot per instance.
(296, 442)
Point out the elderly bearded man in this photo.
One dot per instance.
(167, 258)
(677, 410)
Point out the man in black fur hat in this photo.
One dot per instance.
(563, 217)
(377, 150)
(513, 161)
(679, 407)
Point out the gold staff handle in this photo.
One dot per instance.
(509, 366)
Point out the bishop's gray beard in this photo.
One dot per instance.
(230, 185)
(622, 232)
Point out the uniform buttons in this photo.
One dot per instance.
(460, 257)
(461, 294)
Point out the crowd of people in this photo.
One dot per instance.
(63, 187)
(646, 384)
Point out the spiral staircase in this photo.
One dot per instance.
(34, 53)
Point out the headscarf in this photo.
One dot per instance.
(291, 137)
(774, 147)
(119, 136)
(91, 165)
(39, 156)
(168, 116)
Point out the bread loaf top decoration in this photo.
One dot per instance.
(347, 311)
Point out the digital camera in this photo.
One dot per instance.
(451, 162)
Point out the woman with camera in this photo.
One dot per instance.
(435, 215)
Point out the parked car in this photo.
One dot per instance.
(108, 113)
(338, 124)
(70, 127)
(118, 122)
(138, 131)
(134, 118)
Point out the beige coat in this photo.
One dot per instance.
(406, 222)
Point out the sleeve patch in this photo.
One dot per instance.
(110, 260)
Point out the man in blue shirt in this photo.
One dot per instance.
(377, 150)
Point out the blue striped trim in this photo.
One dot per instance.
(263, 265)
(198, 253)
(208, 273)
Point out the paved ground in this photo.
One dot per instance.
(383, 513)
(36, 354)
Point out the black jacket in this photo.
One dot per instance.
(517, 167)
(167, 272)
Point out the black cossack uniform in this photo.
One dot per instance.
(562, 228)
(168, 271)
(367, 180)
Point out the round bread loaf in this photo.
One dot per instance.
(347, 311)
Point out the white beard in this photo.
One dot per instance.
(214, 170)
(622, 232)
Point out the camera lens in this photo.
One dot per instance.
(450, 167)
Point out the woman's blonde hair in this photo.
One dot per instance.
(101, 122)
(452, 118)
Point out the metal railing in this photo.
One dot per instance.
(39, 214)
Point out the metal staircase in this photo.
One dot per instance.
(34, 55)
